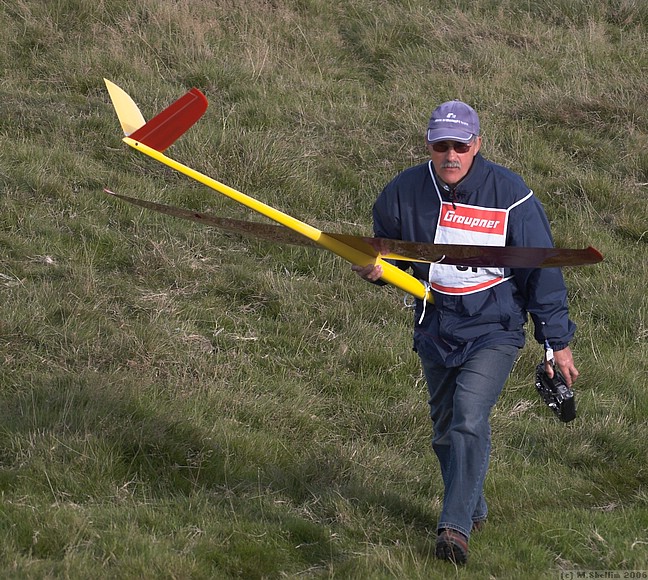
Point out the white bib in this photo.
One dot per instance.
(472, 225)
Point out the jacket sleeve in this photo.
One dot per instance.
(387, 217)
(543, 289)
(386, 212)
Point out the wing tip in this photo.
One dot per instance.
(596, 255)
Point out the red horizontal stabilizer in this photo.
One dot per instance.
(163, 129)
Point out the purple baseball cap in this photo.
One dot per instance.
(453, 121)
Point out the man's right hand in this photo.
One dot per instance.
(370, 273)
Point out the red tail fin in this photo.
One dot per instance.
(163, 129)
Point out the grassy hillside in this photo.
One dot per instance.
(177, 402)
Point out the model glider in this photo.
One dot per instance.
(153, 137)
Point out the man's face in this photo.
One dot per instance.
(452, 165)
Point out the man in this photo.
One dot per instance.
(469, 338)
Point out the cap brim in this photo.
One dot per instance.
(435, 135)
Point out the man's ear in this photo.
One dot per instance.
(477, 147)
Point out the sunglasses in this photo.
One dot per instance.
(443, 146)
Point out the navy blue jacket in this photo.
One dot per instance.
(456, 325)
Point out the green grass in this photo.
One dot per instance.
(176, 402)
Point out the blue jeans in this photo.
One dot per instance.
(461, 399)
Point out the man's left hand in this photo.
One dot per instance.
(565, 362)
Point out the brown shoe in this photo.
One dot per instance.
(452, 545)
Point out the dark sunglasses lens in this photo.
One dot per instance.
(442, 147)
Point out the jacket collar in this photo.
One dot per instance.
(469, 183)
